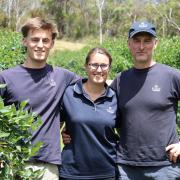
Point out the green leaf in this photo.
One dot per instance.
(18, 148)
(4, 110)
(24, 103)
(35, 148)
(3, 134)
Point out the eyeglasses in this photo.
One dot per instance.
(95, 66)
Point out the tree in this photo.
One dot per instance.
(100, 4)
(16, 9)
(169, 13)
(58, 10)
(80, 18)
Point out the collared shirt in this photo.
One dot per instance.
(92, 150)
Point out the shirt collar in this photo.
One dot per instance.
(78, 88)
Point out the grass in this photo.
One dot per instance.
(61, 45)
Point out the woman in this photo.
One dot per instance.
(90, 112)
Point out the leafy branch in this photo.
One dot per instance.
(15, 141)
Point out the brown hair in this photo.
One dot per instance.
(38, 23)
(100, 51)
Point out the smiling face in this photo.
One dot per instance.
(38, 43)
(98, 68)
(142, 46)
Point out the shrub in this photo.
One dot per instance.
(15, 144)
(11, 51)
(167, 52)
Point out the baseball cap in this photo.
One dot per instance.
(142, 26)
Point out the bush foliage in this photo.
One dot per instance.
(15, 144)
(11, 51)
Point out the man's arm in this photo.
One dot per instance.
(174, 149)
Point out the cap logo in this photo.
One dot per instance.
(143, 25)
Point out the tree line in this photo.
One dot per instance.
(81, 18)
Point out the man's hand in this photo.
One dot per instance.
(65, 136)
(174, 151)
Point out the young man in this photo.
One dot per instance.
(42, 85)
(148, 97)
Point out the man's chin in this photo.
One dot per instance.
(141, 60)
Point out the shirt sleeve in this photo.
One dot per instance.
(176, 83)
(115, 85)
(62, 112)
(72, 77)
(3, 86)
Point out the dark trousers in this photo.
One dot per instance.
(168, 172)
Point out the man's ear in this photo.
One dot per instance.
(156, 43)
(128, 43)
(52, 44)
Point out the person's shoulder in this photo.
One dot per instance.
(69, 76)
(61, 70)
(118, 75)
(74, 87)
(169, 72)
(58, 68)
(167, 68)
(9, 74)
(124, 72)
(111, 90)
(10, 70)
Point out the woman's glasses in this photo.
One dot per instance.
(95, 66)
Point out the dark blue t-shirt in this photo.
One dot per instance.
(43, 88)
(148, 102)
(91, 153)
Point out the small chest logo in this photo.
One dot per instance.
(52, 82)
(156, 88)
(110, 110)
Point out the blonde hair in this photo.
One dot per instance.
(38, 23)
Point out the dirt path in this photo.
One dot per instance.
(66, 45)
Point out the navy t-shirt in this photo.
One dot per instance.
(91, 153)
(148, 102)
(43, 88)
